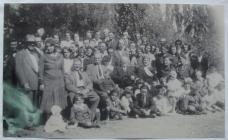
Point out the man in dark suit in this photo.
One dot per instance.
(112, 43)
(85, 60)
(143, 104)
(26, 67)
(78, 82)
(122, 75)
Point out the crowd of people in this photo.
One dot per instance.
(79, 82)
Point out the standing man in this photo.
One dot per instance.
(26, 67)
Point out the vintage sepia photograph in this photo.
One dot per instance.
(113, 70)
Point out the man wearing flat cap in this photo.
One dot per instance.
(26, 67)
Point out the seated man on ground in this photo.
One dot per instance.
(115, 107)
(143, 104)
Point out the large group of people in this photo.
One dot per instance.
(79, 82)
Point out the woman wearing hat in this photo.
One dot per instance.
(51, 77)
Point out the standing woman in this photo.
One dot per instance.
(51, 76)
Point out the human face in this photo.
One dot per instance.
(163, 81)
(88, 35)
(110, 51)
(140, 53)
(97, 35)
(125, 35)
(50, 48)
(147, 48)
(66, 53)
(166, 61)
(97, 59)
(146, 62)
(106, 31)
(144, 39)
(173, 50)
(89, 52)
(111, 35)
(144, 91)
(31, 46)
(186, 48)
(68, 36)
(86, 43)
(114, 96)
(102, 47)
(76, 37)
(187, 86)
(80, 101)
(132, 46)
(77, 66)
(198, 75)
(128, 95)
(173, 75)
(81, 52)
(138, 36)
(56, 38)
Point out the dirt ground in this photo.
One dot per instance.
(174, 126)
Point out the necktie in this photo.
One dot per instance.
(99, 71)
(144, 100)
(80, 75)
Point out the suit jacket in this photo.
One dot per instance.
(25, 70)
(71, 82)
(114, 62)
(86, 61)
(140, 104)
(121, 77)
(92, 72)
(143, 75)
(112, 44)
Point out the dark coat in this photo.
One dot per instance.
(24, 69)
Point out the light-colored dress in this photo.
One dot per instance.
(217, 93)
(175, 88)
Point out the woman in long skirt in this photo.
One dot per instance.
(51, 76)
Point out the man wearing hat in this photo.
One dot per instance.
(26, 67)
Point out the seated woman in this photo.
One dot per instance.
(190, 101)
(146, 72)
(174, 89)
(161, 103)
(82, 115)
(216, 93)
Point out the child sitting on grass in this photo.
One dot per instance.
(174, 89)
(81, 114)
(55, 122)
(126, 100)
(115, 107)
